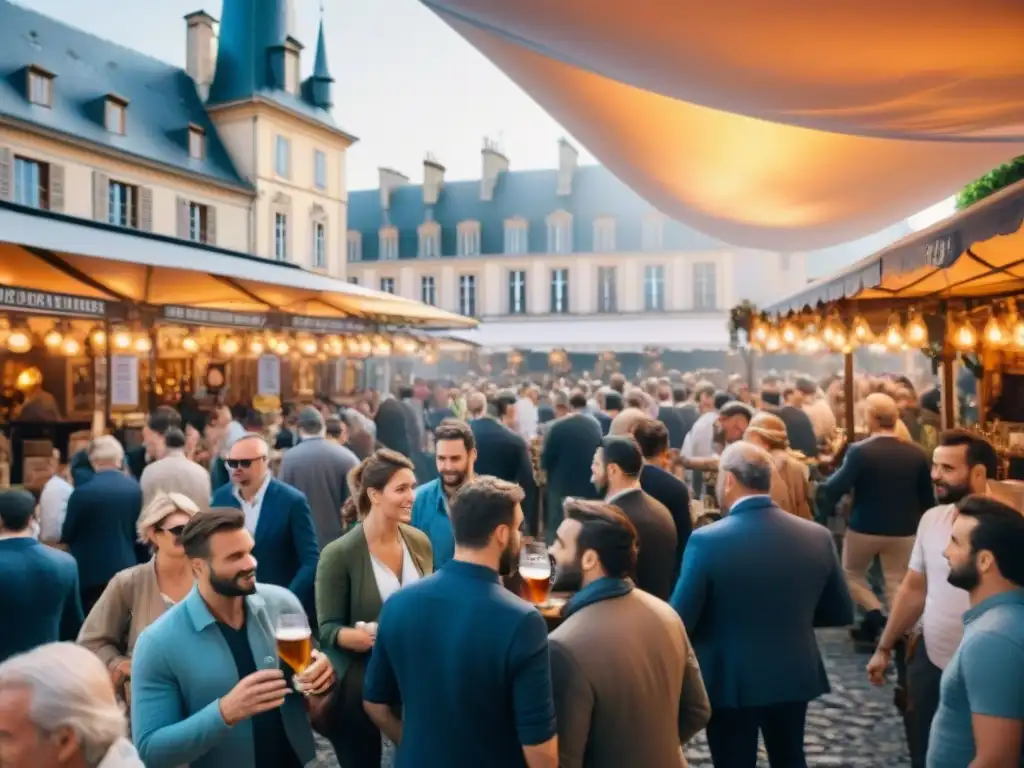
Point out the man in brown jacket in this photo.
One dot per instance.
(621, 699)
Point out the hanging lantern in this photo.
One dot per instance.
(229, 346)
(142, 344)
(836, 333)
(965, 337)
(19, 341)
(256, 346)
(790, 333)
(381, 347)
(282, 347)
(916, 334)
(70, 347)
(996, 334)
(860, 332)
(811, 344)
(122, 339)
(1016, 324)
(337, 346)
(773, 341)
(308, 347)
(190, 344)
(53, 338)
(98, 338)
(365, 347)
(894, 337)
(759, 331)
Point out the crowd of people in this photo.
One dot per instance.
(143, 594)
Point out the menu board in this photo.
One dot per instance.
(268, 375)
(124, 381)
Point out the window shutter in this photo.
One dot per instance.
(211, 225)
(100, 196)
(6, 173)
(182, 219)
(146, 209)
(56, 188)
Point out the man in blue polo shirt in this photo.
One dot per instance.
(467, 660)
(980, 719)
(455, 454)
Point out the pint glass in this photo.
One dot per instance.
(535, 570)
(294, 641)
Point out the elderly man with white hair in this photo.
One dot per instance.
(58, 710)
(99, 528)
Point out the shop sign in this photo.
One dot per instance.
(325, 324)
(46, 303)
(219, 317)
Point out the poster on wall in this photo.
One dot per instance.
(268, 375)
(124, 381)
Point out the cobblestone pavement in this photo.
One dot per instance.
(856, 725)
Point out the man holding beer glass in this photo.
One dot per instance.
(208, 688)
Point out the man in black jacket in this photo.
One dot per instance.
(892, 487)
(569, 446)
(503, 453)
(652, 437)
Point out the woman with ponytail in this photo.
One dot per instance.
(379, 555)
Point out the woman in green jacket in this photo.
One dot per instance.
(357, 573)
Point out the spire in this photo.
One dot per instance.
(321, 84)
(251, 31)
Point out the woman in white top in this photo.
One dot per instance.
(356, 574)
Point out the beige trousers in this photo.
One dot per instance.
(859, 549)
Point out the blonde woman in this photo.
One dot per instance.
(790, 486)
(138, 596)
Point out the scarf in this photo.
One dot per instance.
(602, 589)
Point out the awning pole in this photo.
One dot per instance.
(108, 395)
(154, 354)
(848, 397)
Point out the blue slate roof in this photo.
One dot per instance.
(162, 98)
(532, 195)
(251, 31)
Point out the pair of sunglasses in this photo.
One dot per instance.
(243, 463)
(174, 530)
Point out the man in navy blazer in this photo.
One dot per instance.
(99, 527)
(278, 517)
(752, 589)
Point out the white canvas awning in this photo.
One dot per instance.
(763, 124)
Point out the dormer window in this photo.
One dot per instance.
(516, 235)
(355, 245)
(469, 238)
(654, 232)
(560, 232)
(430, 240)
(196, 142)
(114, 114)
(40, 87)
(388, 243)
(604, 235)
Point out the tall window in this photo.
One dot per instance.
(654, 288)
(319, 245)
(198, 216)
(123, 205)
(705, 290)
(560, 232)
(516, 236)
(31, 183)
(355, 245)
(607, 301)
(469, 238)
(388, 244)
(604, 235)
(467, 295)
(517, 292)
(196, 142)
(281, 236)
(40, 85)
(430, 240)
(387, 284)
(654, 232)
(320, 169)
(114, 115)
(282, 157)
(559, 291)
(428, 290)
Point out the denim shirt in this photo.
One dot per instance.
(430, 515)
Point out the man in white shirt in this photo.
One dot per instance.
(526, 412)
(53, 503)
(963, 464)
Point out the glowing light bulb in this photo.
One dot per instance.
(308, 347)
(19, 342)
(790, 334)
(995, 332)
(894, 338)
(70, 346)
(917, 331)
(143, 344)
(256, 347)
(862, 331)
(774, 341)
(122, 339)
(229, 346)
(98, 337)
(53, 339)
(190, 345)
(965, 338)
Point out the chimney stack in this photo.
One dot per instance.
(389, 179)
(568, 160)
(200, 50)
(433, 180)
(494, 162)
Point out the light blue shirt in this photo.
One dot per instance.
(985, 677)
(430, 515)
(182, 667)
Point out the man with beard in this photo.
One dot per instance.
(616, 474)
(753, 588)
(208, 689)
(465, 659)
(611, 710)
(455, 454)
(962, 464)
(980, 719)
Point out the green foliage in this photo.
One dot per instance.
(1003, 176)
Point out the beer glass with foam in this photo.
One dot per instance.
(535, 570)
(294, 641)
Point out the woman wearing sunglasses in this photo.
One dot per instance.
(138, 596)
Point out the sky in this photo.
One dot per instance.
(405, 83)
